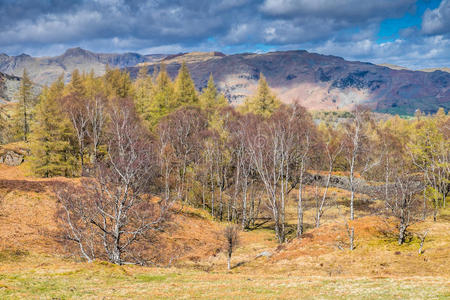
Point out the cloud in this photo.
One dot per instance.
(345, 10)
(424, 52)
(437, 21)
(341, 27)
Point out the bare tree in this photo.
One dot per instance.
(273, 153)
(114, 212)
(306, 141)
(404, 204)
(430, 153)
(333, 144)
(356, 149)
(97, 118)
(75, 107)
(183, 132)
(231, 234)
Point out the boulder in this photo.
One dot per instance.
(11, 158)
(264, 254)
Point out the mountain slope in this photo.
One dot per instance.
(322, 82)
(316, 81)
(44, 70)
(9, 86)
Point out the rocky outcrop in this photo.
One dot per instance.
(9, 85)
(11, 158)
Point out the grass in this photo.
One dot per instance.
(39, 277)
(33, 265)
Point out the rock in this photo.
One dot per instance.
(11, 158)
(264, 254)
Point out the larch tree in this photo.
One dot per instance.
(163, 97)
(117, 83)
(185, 93)
(52, 151)
(24, 108)
(143, 90)
(264, 102)
(211, 99)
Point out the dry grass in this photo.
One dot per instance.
(33, 264)
(41, 277)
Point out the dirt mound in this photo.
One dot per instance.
(329, 237)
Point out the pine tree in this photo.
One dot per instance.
(52, 150)
(264, 102)
(23, 112)
(185, 93)
(211, 99)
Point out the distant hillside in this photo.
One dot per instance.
(317, 81)
(321, 82)
(9, 86)
(394, 67)
(189, 58)
(44, 70)
(436, 69)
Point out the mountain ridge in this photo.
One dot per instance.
(321, 81)
(318, 81)
(44, 70)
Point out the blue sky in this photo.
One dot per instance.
(411, 33)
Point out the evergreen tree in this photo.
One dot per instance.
(52, 150)
(211, 99)
(185, 93)
(264, 102)
(23, 111)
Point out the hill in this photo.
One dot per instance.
(35, 263)
(394, 67)
(44, 70)
(436, 69)
(320, 81)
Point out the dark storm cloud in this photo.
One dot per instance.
(184, 22)
(12, 11)
(43, 27)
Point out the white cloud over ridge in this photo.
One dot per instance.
(345, 28)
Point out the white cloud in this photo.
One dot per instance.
(437, 21)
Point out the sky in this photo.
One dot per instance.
(410, 33)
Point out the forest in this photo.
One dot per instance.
(141, 150)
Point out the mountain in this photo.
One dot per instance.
(44, 70)
(9, 85)
(436, 69)
(321, 81)
(189, 58)
(394, 67)
(316, 81)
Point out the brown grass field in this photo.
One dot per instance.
(34, 264)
